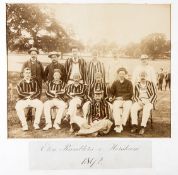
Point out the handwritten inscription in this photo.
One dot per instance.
(89, 155)
(91, 161)
(86, 148)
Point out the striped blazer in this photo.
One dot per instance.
(94, 68)
(96, 85)
(77, 91)
(25, 88)
(59, 89)
(151, 91)
(98, 111)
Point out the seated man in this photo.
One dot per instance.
(56, 95)
(98, 83)
(77, 93)
(98, 116)
(121, 93)
(145, 96)
(29, 92)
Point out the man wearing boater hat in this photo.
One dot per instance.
(37, 70)
(49, 70)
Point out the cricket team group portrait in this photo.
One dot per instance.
(88, 70)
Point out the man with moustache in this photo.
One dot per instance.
(49, 70)
(37, 70)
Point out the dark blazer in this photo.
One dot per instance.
(49, 71)
(36, 69)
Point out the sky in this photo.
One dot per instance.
(120, 23)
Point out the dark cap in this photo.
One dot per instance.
(122, 69)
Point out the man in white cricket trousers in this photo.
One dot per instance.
(144, 96)
(29, 92)
(121, 93)
(77, 92)
(55, 93)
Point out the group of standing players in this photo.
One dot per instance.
(82, 96)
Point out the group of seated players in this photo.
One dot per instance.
(90, 109)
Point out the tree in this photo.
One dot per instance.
(132, 50)
(154, 45)
(31, 25)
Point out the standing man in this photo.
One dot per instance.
(75, 65)
(144, 96)
(29, 92)
(56, 97)
(168, 80)
(95, 66)
(121, 95)
(37, 70)
(49, 70)
(160, 79)
(144, 66)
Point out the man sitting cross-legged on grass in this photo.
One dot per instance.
(98, 116)
(29, 92)
(77, 93)
(56, 98)
(145, 96)
(121, 93)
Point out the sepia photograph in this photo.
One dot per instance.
(88, 70)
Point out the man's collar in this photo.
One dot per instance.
(122, 81)
(28, 81)
(76, 84)
(59, 82)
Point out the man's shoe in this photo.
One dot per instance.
(47, 127)
(142, 130)
(118, 129)
(66, 119)
(56, 126)
(25, 128)
(71, 129)
(134, 129)
(36, 126)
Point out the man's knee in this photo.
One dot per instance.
(46, 104)
(19, 105)
(148, 107)
(117, 104)
(127, 104)
(37, 103)
(62, 105)
(134, 107)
